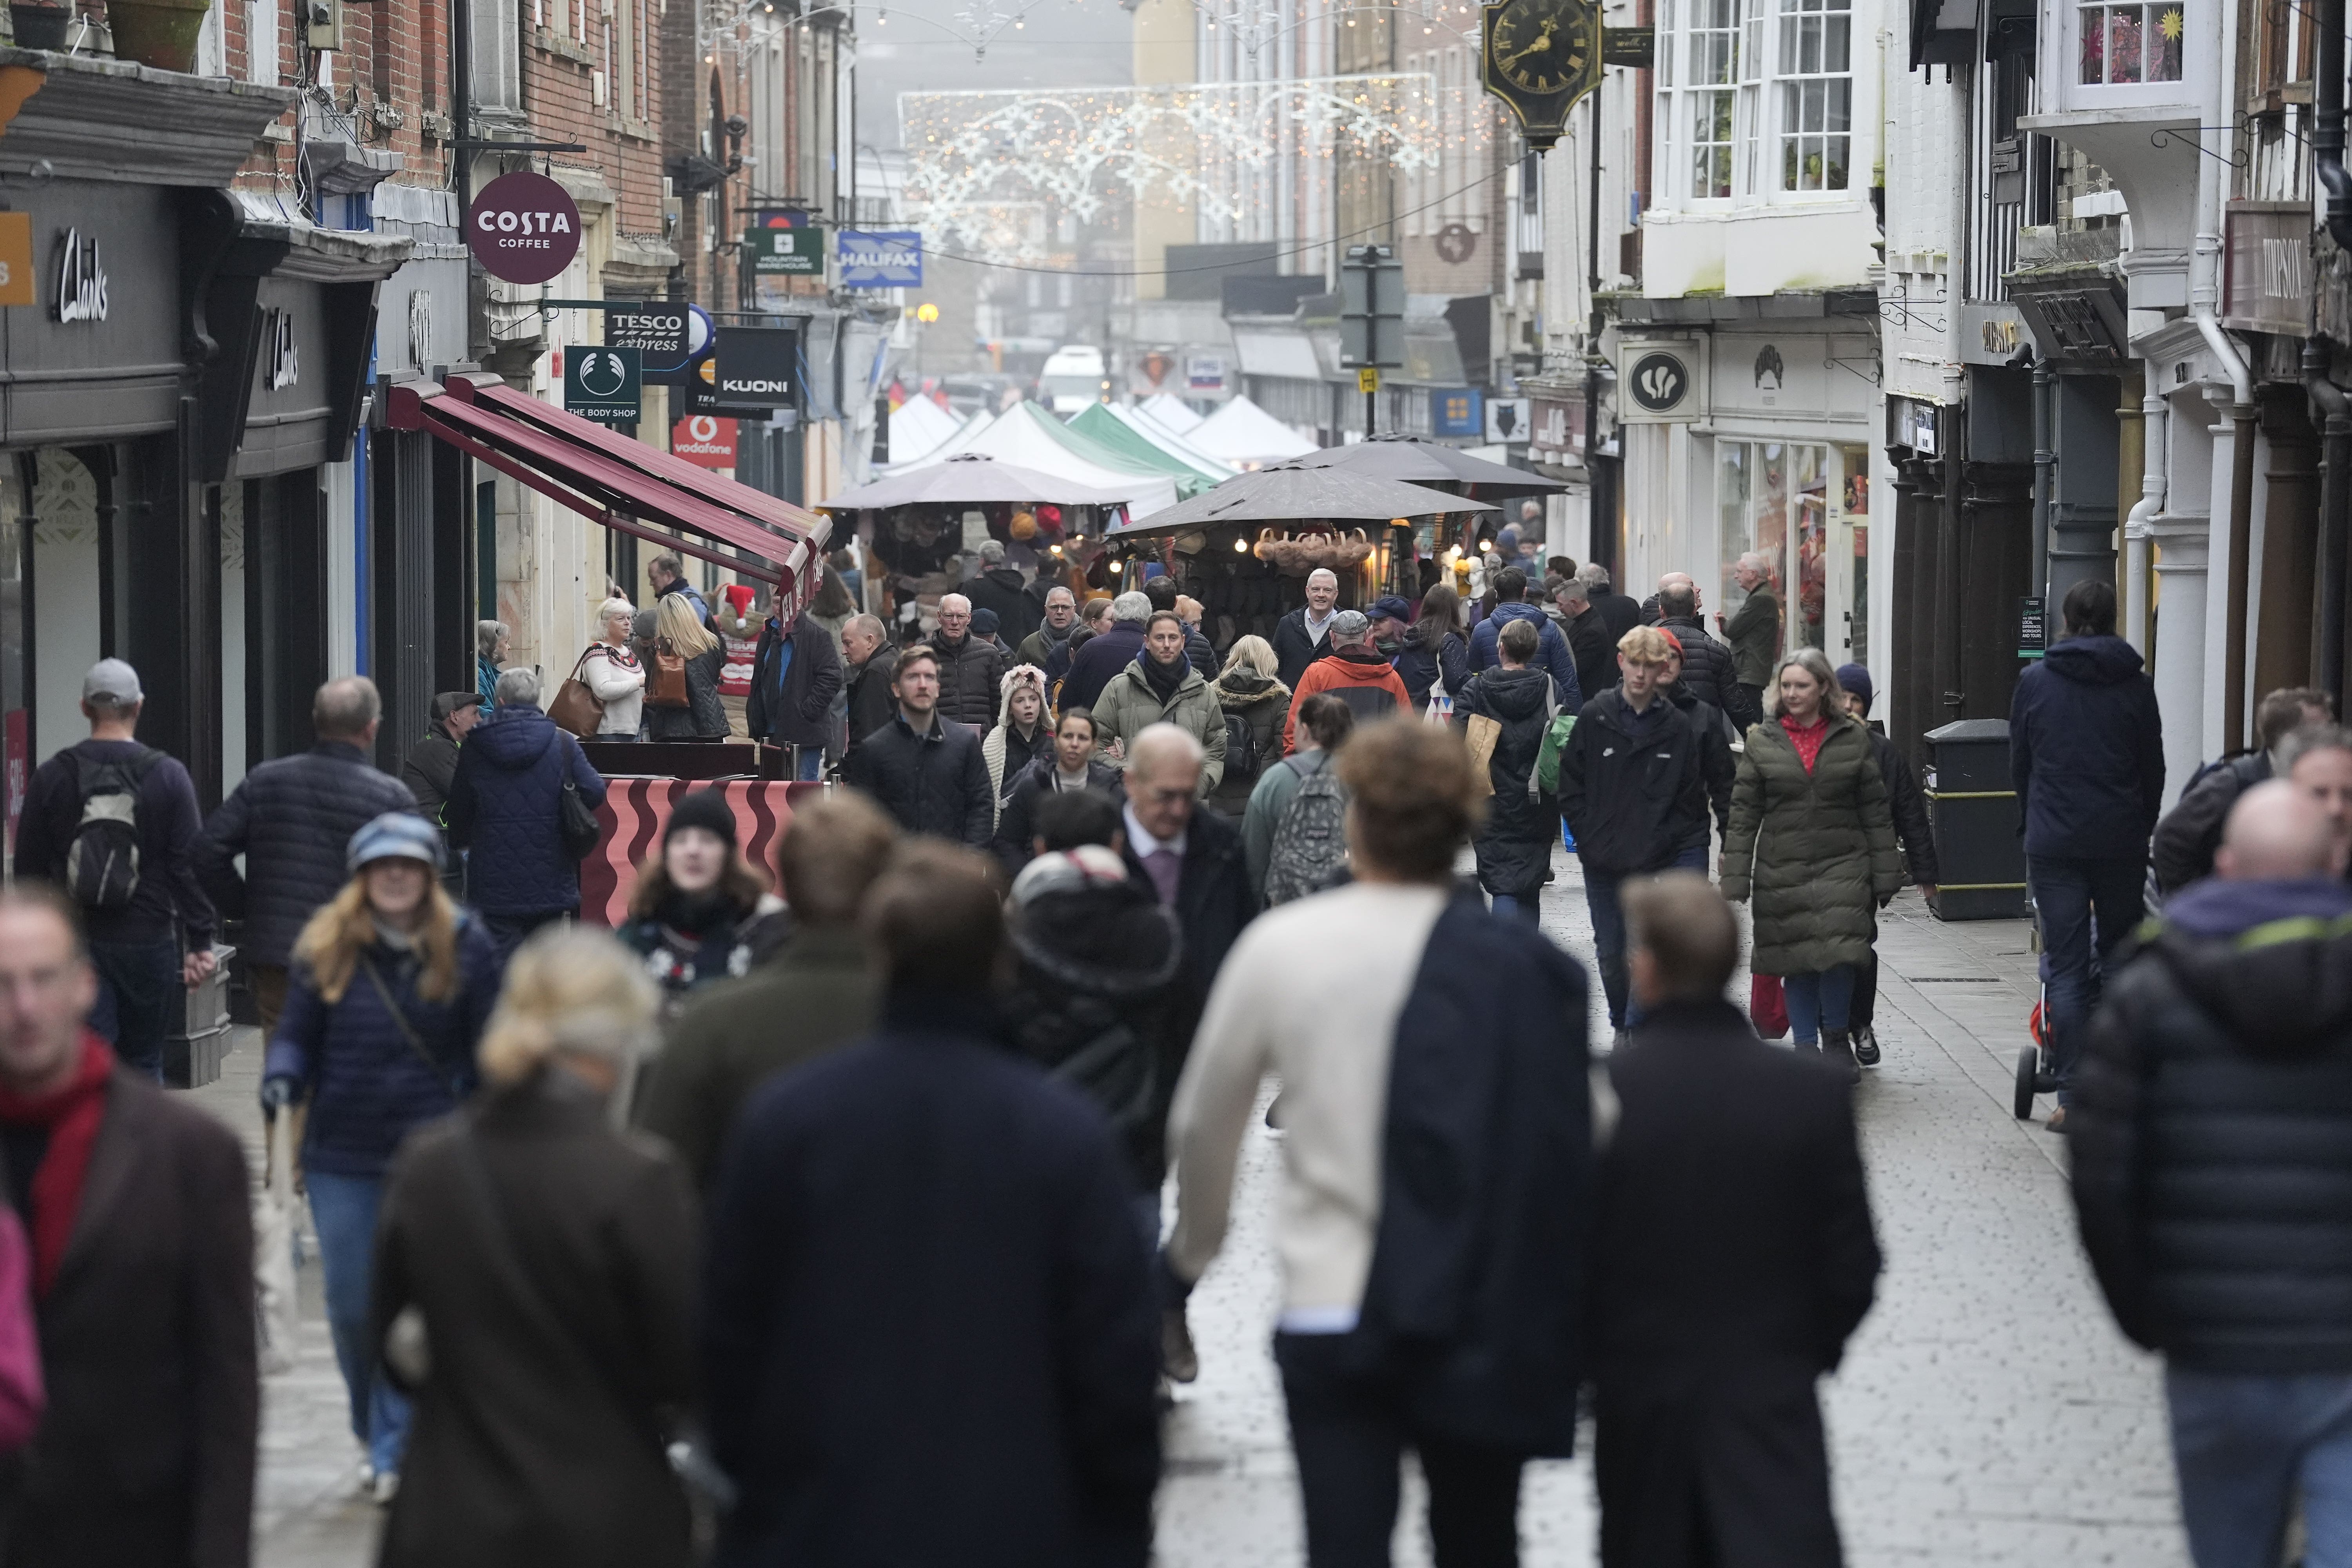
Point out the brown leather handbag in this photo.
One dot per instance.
(575, 707)
(667, 688)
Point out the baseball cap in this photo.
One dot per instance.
(396, 835)
(1350, 623)
(113, 682)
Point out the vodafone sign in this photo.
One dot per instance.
(523, 229)
(704, 438)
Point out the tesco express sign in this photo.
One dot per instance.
(523, 229)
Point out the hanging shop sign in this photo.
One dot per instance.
(16, 260)
(1455, 411)
(786, 252)
(1507, 420)
(523, 229)
(1205, 373)
(81, 279)
(881, 258)
(285, 364)
(707, 439)
(657, 332)
(1660, 381)
(757, 367)
(603, 383)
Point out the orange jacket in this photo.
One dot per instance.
(1357, 675)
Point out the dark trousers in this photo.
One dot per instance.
(1601, 896)
(1349, 1430)
(2087, 906)
(138, 984)
(1862, 1011)
(508, 931)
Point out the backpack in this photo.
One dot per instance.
(1241, 760)
(1310, 840)
(102, 861)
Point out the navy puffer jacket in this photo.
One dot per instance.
(505, 804)
(366, 1083)
(306, 807)
(2087, 751)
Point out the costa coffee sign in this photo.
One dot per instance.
(523, 229)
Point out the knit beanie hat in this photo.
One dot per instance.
(704, 808)
(1068, 872)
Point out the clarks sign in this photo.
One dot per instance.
(523, 228)
(81, 279)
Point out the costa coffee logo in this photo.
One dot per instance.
(523, 228)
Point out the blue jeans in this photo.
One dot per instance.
(1601, 896)
(138, 982)
(344, 1209)
(1818, 1002)
(808, 763)
(2087, 906)
(2243, 1446)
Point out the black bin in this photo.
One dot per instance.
(1972, 807)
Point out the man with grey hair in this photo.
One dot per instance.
(506, 810)
(972, 669)
(292, 819)
(871, 664)
(1590, 647)
(1299, 639)
(1002, 588)
(1061, 618)
(1105, 656)
(79, 798)
(1753, 631)
(1619, 612)
(666, 572)
(490, 653)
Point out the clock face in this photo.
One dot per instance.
(1542, 45)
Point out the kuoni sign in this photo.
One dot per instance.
(705, 438)
(523, 228)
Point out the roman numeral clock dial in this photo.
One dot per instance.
(1541, 56)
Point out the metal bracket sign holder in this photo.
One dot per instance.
(1371, 319)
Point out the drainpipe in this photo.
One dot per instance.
(2335, 410)
(2204, 299)
(2152, 412)
(2327, 125)
(2045, 459)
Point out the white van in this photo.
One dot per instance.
(1073, 378)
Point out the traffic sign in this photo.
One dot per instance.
(603, 383)
(1368, 379)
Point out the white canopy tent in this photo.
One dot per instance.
(1246, 436)
(1014, 436)
(919, 428)
(1171, 411)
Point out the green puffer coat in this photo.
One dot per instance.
(1816, 850)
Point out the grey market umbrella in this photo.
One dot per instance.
(969, 478)
(1292, 492)
(1417, 462)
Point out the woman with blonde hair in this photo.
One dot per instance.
(389, 988)
(532, 1287)
(679, 633)
(1246, 688)
(700, 913)
(614, 673)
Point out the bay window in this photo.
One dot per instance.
(1757, 97)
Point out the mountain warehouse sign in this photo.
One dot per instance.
(523, 228)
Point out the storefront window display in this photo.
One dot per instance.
(1856, 517)
(1751, 496)
(1809, 508)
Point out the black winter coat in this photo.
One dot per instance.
(1096, 660)
(1295, 649)
(292, 819)
(1213, 901)
(1717, 766)
(2211, 1132)
(1593, 651)
(145, 1458)
(933, 783)
(2087, 751)
(1016, 823)
(1514, 843)
(1910, 810)
(506, 802)
(1706, 1350)
(801, 713)
(1090, 1007)
(971, 677)
(1632, 809)
(2191, 834)
(1018, 612)
(539, 1435)
(1420, 667)
(1706, 663)
(872, 703)
(928, 1332)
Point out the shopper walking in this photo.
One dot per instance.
(919, 1234)
(1909, 808)
(506, 811)
(613, 674)
(1754, 634)
(869, 665)
(1708, 673)
(923, 770)
(2087, 754)
(1812, 844)
(1706, 1351)
(1354, 672)
(1590, 645)
(391, 986)
(1299, 636)
(1255, 705)
(1434, 654)
(1105, 656)
(1022, 734)
(680, 634)
(971, 669)
(1312, 840)
(137, 1204)
(549, 1259)
(1428, 1316)
(1094, 619)
(1621, 612)
(2187, 835)
(999, 587)
(1058, 618)
(1162, 595)
(811, 994)
(794, 678)
(114, 825)
(2317, 760)
(1074, 767)
(699, 912)
(1192, 859)
(2210, 1103)
(1551, 653)
(1514, 843)
(1161, 687)
(292, 819)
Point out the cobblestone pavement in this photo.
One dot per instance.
(1988, 1412)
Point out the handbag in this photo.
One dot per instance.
(575, 820)
(576, 708)
(1768, 1006)
(667, 688)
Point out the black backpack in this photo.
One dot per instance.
(1241, 759)
(102, 861)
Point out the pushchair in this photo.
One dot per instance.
(2036, 1071)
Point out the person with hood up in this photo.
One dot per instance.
(1352, 671)
(2086, 753)
(1433, 652)
(1909, 809)
(698, 913)
(1551, 655)
(1102, 656)
(2187, 837)
(1514, 843)
(1812, 843)
(1299, 636)
(505, 809)
(1161, 687)
(1022, 735)
(2211, 1118)
(998, 587)
(1073, 768)
(1247, 690)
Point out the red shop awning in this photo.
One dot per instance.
(621, 483)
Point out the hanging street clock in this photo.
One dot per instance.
(1541, 56)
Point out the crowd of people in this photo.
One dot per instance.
(849, 1207)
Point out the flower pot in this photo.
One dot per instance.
(158, 33)
(40, 27)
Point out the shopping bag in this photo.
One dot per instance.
(1767, 1009)
(277, 1307)
(1482, 732)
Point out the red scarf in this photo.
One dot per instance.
(1806, 738)
(71, 1114)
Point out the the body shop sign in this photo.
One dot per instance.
(523, 228)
